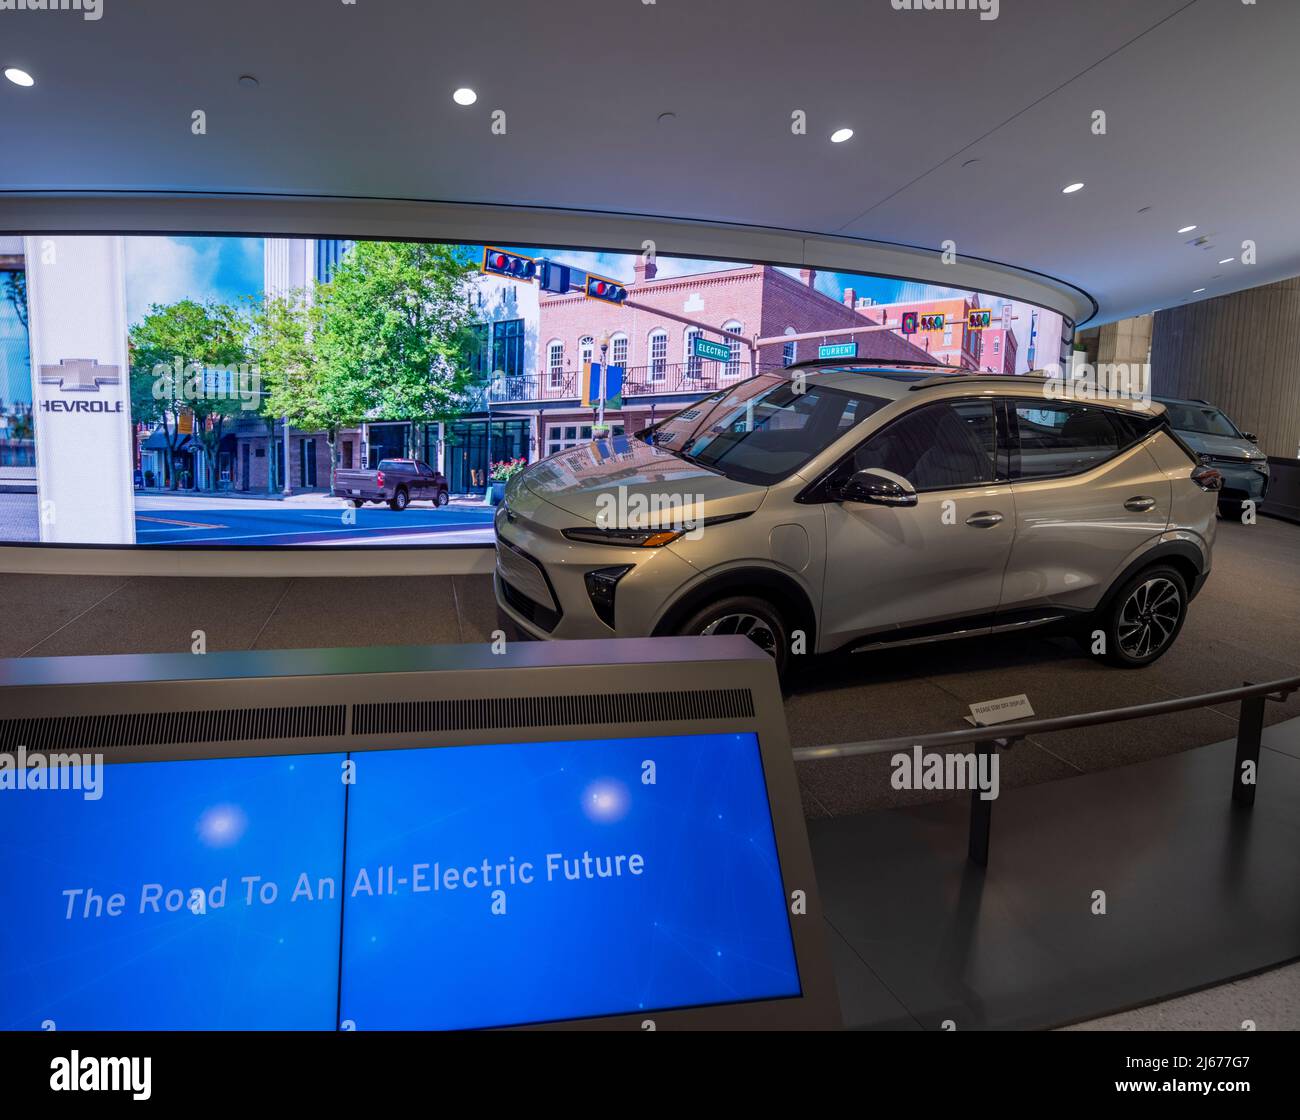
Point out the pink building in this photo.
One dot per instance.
(647, 337)
(998, 350)
(955, 345)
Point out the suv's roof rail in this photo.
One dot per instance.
(996, 378)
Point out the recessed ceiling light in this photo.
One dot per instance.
(1197, 291)
(666, 118)
(1187, 229)
(1072, 188)
(247, 81)
(1227, 260)
(464, 96)
(19, 77)
(841, 134)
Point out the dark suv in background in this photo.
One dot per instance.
(1222, 445)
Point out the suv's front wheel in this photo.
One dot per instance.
(1143, 619)
(754, 618)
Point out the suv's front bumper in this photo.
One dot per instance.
(1242, 481)
(540, 578)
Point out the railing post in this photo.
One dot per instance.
(981, 813)
(1250, 729)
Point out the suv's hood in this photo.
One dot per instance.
(624, 479)
(1227, 447)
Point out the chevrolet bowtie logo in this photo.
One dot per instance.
(80, 375)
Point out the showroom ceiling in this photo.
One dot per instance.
(964, 129)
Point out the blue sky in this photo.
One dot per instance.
(167, 269)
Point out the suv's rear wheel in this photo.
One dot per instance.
(1143, 619)
(752, 617)
(400, 500)
(442, 497)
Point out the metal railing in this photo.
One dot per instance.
(987, 740)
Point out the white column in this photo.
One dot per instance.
(76, 294)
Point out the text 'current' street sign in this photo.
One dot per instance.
(838, 350)
(702, 347)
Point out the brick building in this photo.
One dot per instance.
(998, 350)
(955, 345)
(655, 348)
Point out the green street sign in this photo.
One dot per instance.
(702, 347)
(838, 350)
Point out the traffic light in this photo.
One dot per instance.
(910, 319)
(979, 318)
(601, 288)
(552, 277)
(931, 322)
(515, 266)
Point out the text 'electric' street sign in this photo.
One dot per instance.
(702, 347)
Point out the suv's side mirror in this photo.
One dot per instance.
(879, 488)
(1250, 436)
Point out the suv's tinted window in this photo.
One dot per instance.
(937, 447)
(1191, 416)
(1059, 439)
(1133, 426)
(766, 437)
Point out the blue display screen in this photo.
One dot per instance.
(521, 883)
(443, 887)
(150, 907)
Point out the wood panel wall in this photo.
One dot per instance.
(1240, 352)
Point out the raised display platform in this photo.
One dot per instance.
(1197, 891)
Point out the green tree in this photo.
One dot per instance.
(390, 334)
(16, 293)
(294, 381)
(174, 350)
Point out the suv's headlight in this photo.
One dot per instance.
(625, 538)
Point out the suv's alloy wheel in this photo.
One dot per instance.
(1144, 617)
(750, 617)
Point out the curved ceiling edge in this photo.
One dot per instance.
(314, 216)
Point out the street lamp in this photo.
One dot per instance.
(599, 432)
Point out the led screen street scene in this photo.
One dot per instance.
(270, 383)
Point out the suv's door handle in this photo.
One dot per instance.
(985, 519)
(1140, 504)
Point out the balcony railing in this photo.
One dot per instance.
(659, 378)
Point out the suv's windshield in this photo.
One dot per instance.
(1202, 418)
(765, 436)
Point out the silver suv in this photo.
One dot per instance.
(862, 507)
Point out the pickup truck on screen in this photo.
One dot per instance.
(399, 482)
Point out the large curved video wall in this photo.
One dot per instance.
(228, 392)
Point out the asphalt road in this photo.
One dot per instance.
(284, 524)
